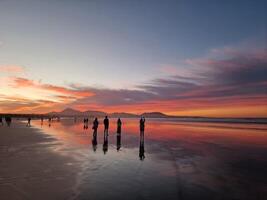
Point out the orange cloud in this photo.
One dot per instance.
(11, 69)
(22, 82)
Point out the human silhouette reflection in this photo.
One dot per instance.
(118, 142)
(105, 144)
(94, 142)
(142, 147)
(142, 139)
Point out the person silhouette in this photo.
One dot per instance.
(1, 121)
(49, 121)
(105, 144)
(8, 120)
(142, 125)
(42, 121)
(29, 121)
(95, 126)
(94, 143)
(142, 148)
(106, 125)
(119, 123)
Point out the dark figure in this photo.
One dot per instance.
(119, 127)
(106, 125)
(94, 142)
(49, 121)
(84, 123)
(105, 144)
(1, 121)
(75, 119)
(8, 120)
(29, 121)
(142, 148)
(42, 121)
(95, 126)
(142, 125)
(118, 142)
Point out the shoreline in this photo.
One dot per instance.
(29, 168)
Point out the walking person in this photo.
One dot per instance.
(106, 125)
(29, 121)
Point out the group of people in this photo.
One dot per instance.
(8, 120)
(85, 123)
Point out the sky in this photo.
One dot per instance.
(193, 58)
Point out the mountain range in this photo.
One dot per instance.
(69, 112)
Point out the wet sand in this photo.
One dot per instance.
(29, 169)
(182, 161)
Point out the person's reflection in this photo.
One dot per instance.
(118, 142)
(142, 148)
(142, 139)
(94, 142)
(105, 144)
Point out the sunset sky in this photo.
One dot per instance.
(194, 58)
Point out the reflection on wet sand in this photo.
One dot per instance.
(182, 160)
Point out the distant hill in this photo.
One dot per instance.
(123, 115)
(94, 113)
(155, 115)
(69, 112)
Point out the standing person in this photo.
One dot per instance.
(95, 126)
(42, 121)
(106, 125)
(1, 121)
(29, 121)
(49, 121)
(119, 127)
(8, 120)
(142, 124)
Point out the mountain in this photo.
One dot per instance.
(154, 115)
(123, 115)
(69, 112)
(94, 113)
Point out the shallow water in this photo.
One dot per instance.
(181, 160)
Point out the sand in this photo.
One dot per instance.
(30, 168)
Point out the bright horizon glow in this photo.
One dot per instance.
(181, 57)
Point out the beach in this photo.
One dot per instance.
(29, 169)
(177, 160)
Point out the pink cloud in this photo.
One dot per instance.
(11, 69)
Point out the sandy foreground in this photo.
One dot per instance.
(29, 167)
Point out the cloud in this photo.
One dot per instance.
(11, 68)
(67, 92)
(229, 79)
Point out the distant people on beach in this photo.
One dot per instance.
(95, 127)
(119, 123)
(1, 121)
(75, 119)
(85, 123)
(49, 121)
(106, 125)
(29, 121)
(8, 120)
(42, 121)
